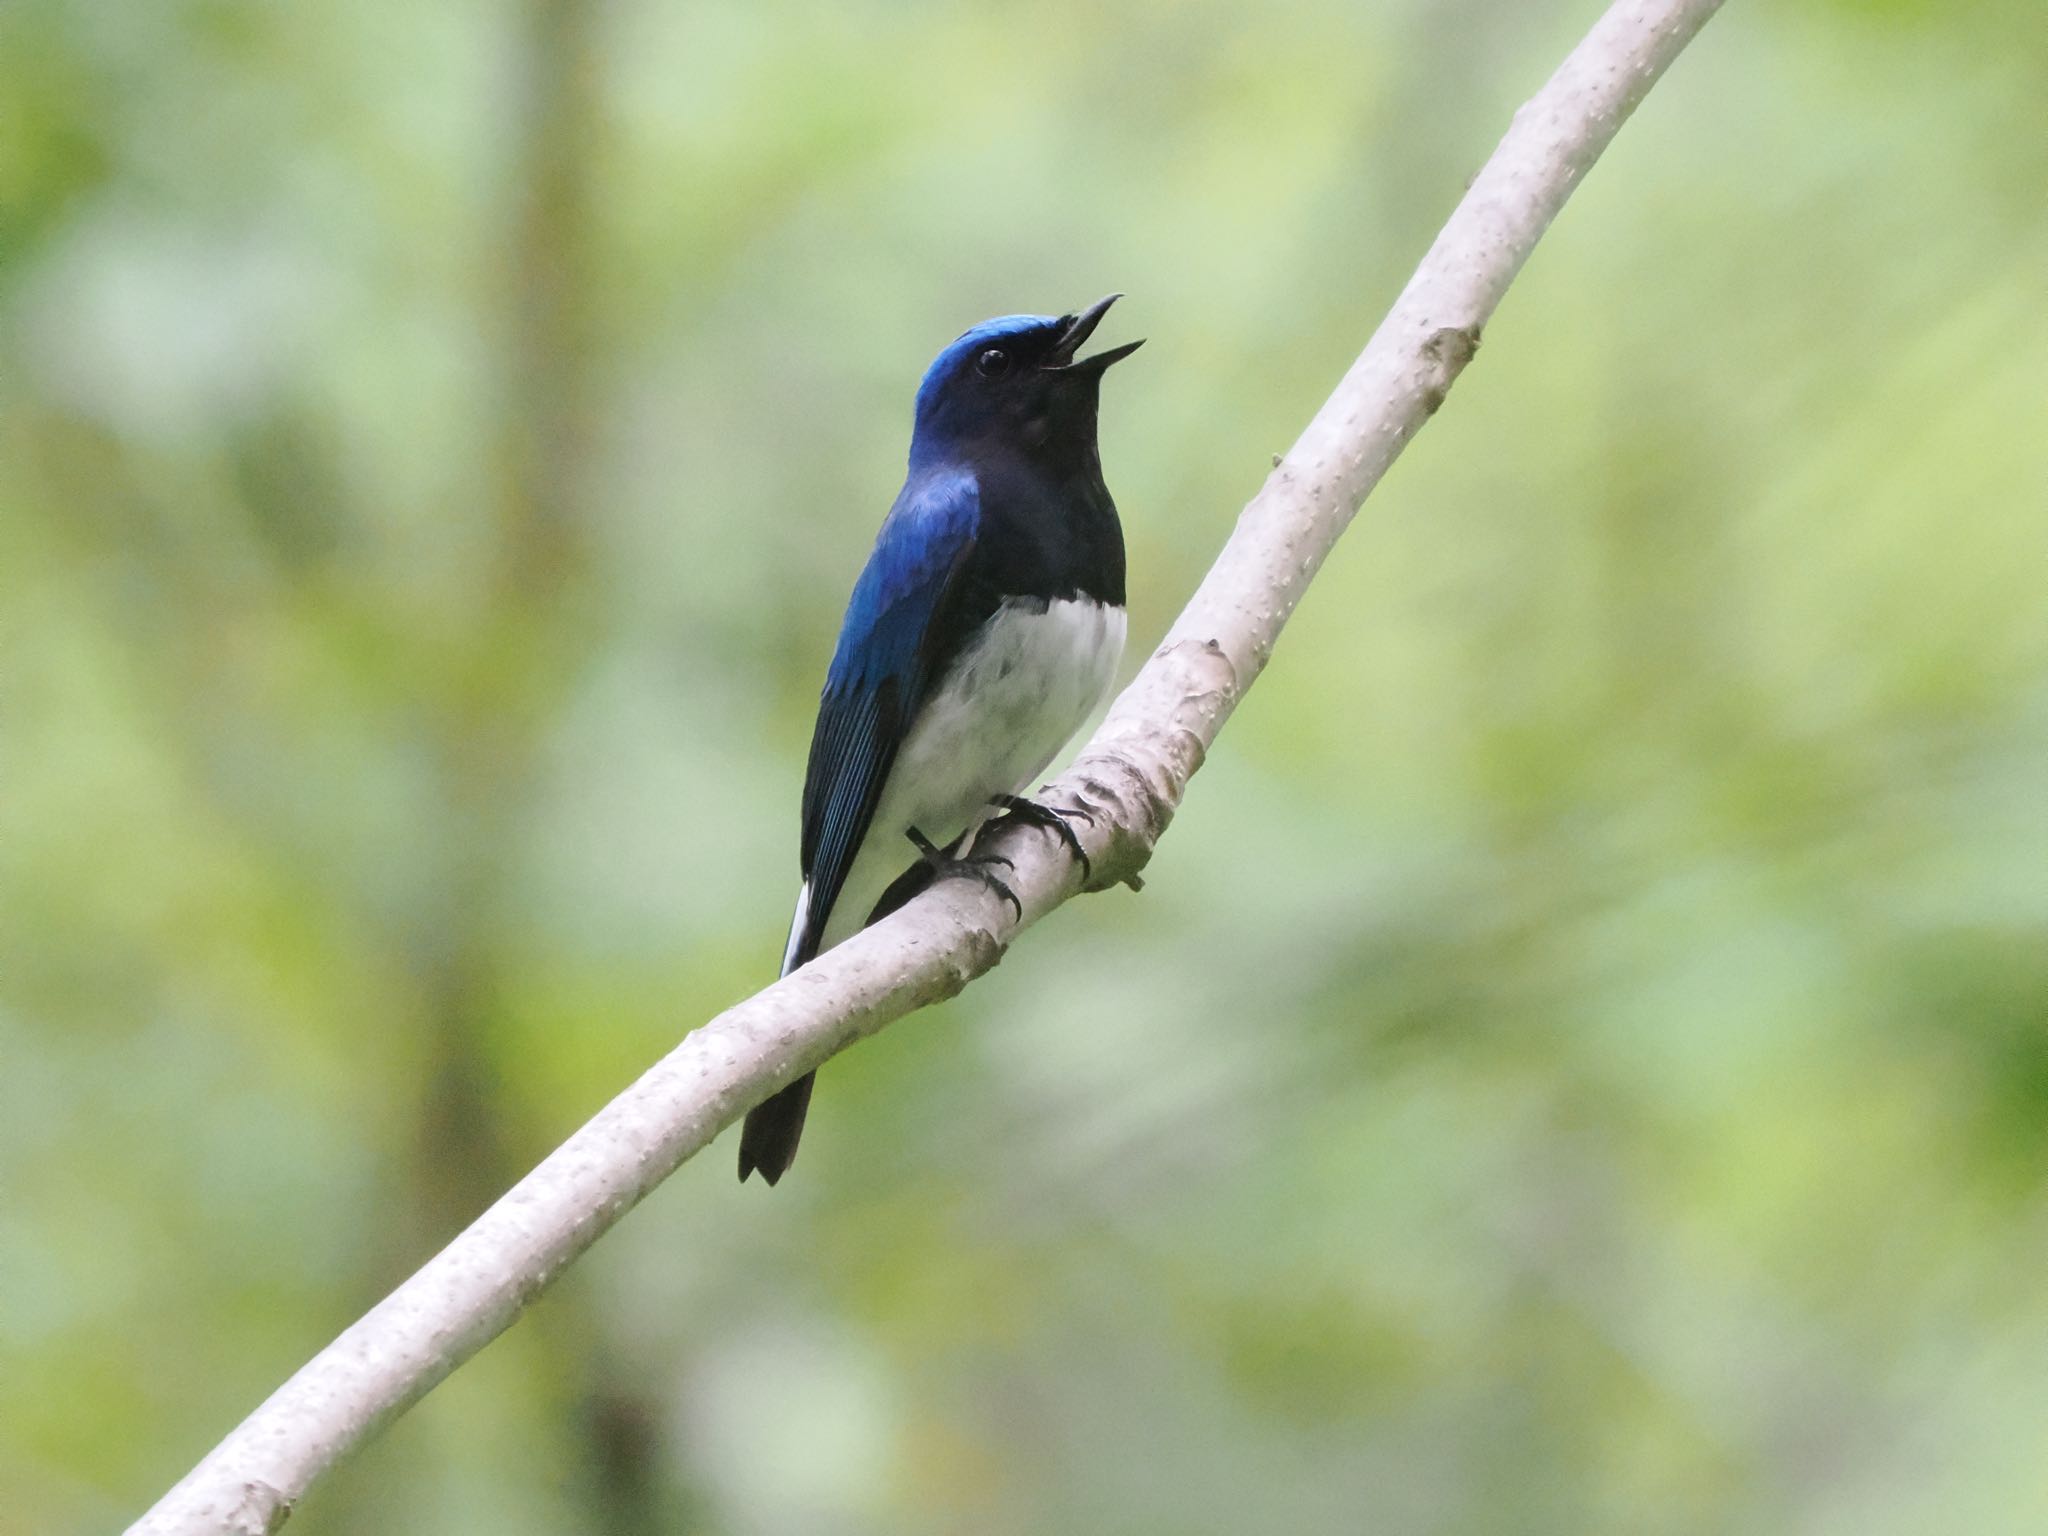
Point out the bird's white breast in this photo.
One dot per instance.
(1020, 688)
(1016, 693)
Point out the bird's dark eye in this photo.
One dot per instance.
(993, 363)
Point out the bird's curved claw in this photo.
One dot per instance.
(1029, 813)
(945, 863)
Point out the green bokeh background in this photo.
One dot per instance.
(1581, 1061)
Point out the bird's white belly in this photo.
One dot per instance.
(1016, 694)
(1020, 688)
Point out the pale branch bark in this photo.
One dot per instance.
(1131, 776)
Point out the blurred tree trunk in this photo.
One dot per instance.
(529, 641)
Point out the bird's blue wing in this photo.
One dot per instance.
(907, 611)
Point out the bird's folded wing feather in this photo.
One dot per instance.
(907, 612)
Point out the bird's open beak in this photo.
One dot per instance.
(1078, 329)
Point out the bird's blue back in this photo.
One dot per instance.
(892, 637)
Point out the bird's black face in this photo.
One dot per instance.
(1021, 381)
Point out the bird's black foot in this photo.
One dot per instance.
(978, 866)
(1029, 813)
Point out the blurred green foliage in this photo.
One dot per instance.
(1581, 1062)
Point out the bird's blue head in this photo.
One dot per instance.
(1016, 382)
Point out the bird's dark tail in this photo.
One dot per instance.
(769, 1135)
(773, 1127)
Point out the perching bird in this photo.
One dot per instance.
(985, 627)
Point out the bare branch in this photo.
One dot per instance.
(1132, 775)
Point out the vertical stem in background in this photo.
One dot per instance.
(528, 644)
(557, 103)
(523, 638)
